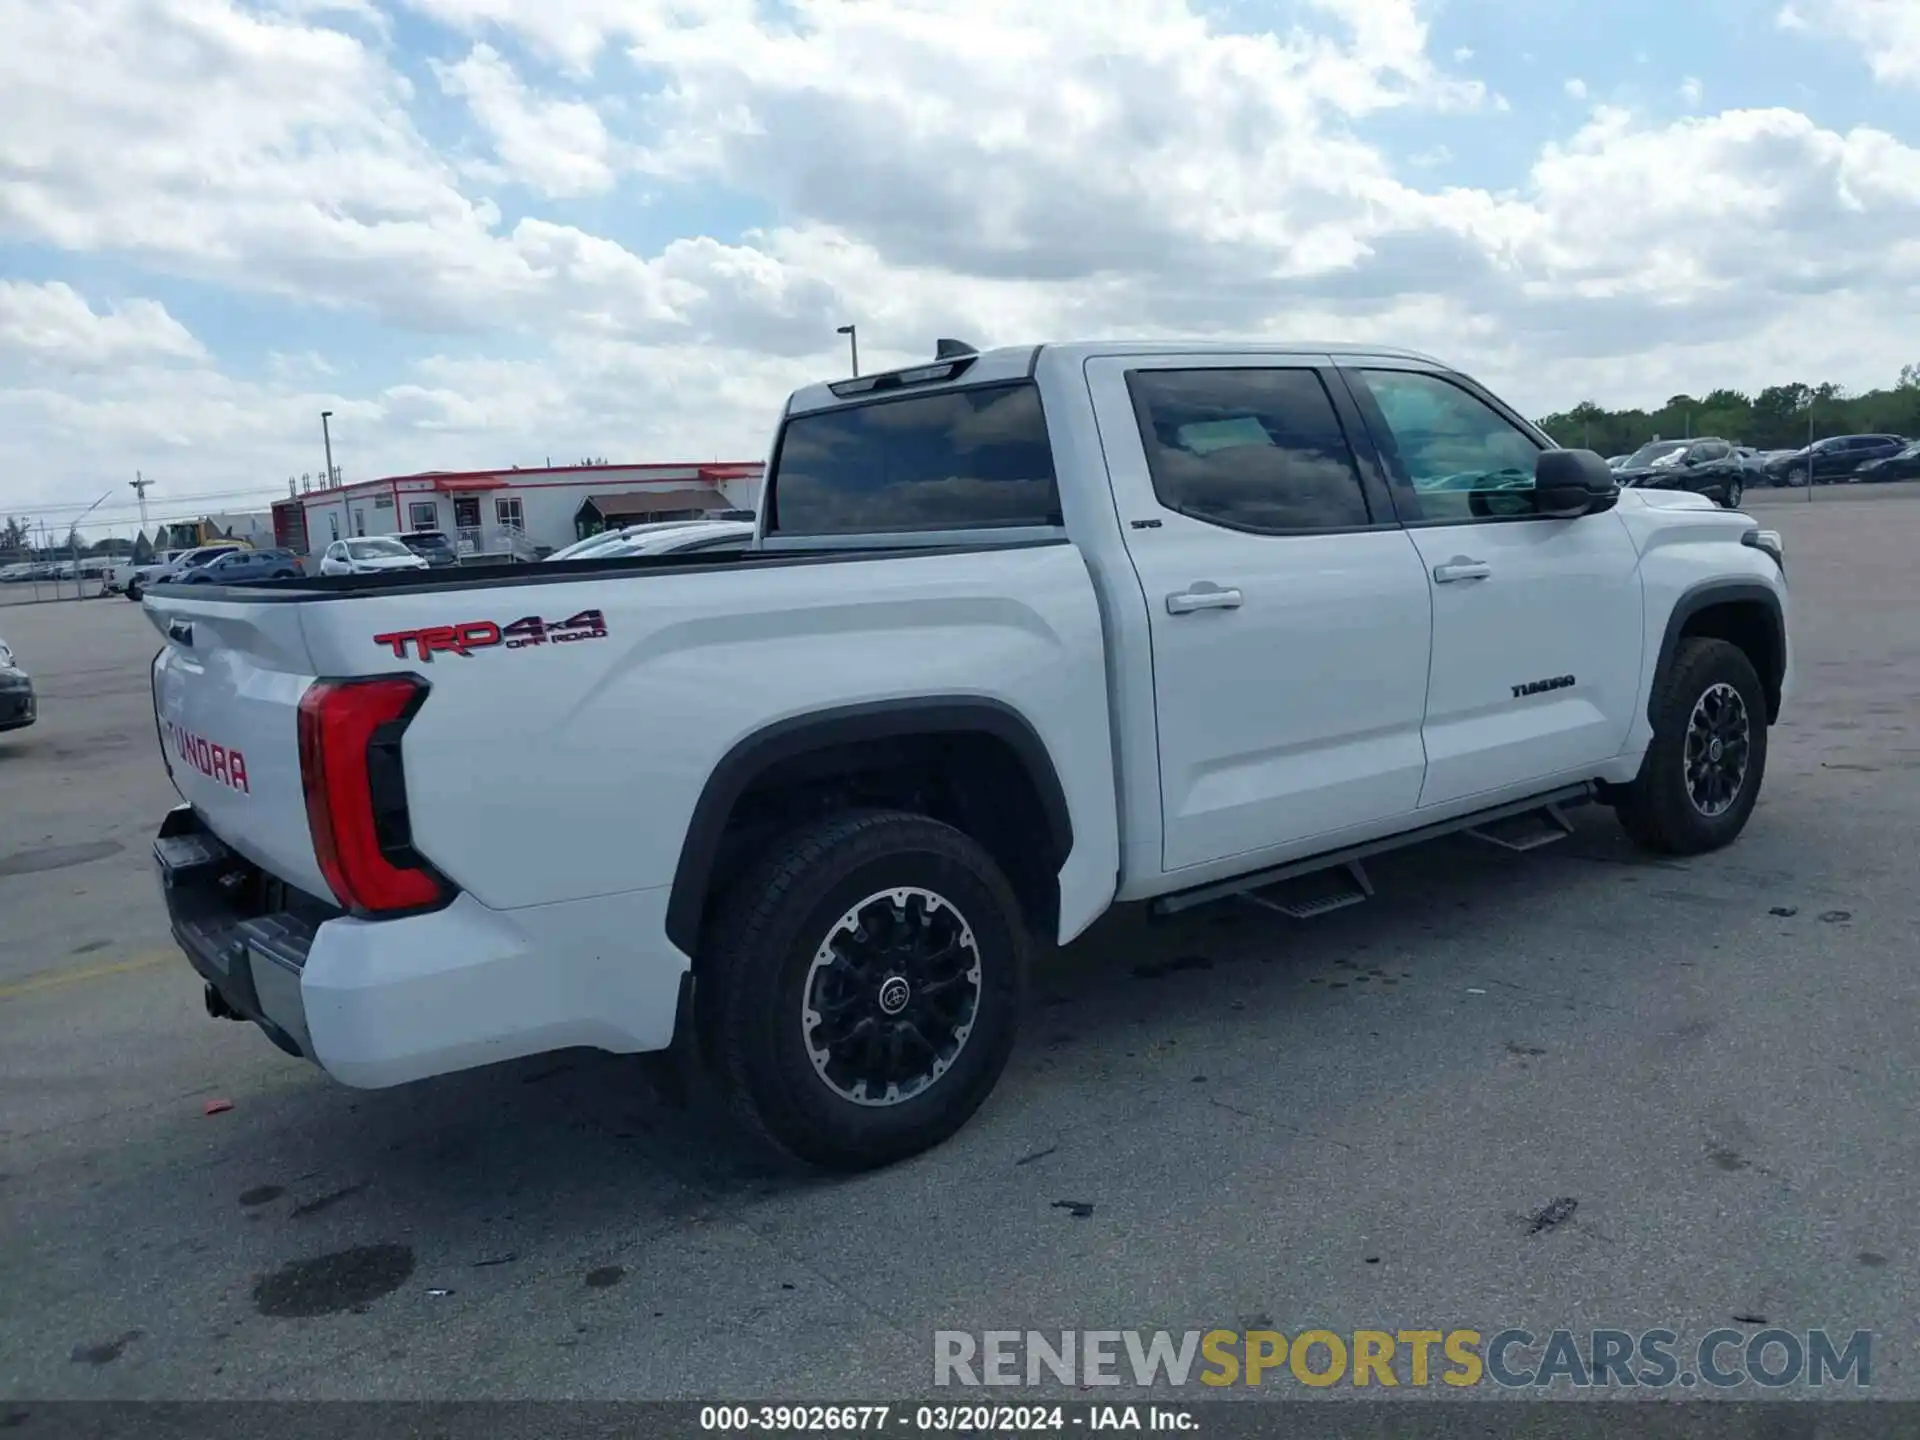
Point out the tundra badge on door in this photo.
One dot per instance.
(1540, 687)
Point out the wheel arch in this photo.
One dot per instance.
(1745, 613)
(852, 741)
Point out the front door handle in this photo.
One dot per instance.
(1461, 567)
(1202, 595)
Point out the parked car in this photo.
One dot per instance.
(369, 555)
(1838, 457)
(606, 539)
(173, 570)
(239, 566)
(431, 546)
(1025, 633)
(1901, 465)
(1705, 465)
(18, 707)
(675, 539)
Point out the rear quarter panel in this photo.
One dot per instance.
(559, 771)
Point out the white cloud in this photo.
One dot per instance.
(993, 169)
(559, 147)
(1887, 32)
(1692, 92)
(52, 324)
(1576, 88)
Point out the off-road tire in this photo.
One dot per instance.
(752, 983)
(1657, 810)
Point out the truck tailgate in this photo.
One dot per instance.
(226, 694)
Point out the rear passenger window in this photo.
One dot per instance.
(1257, 450)
(955, 460)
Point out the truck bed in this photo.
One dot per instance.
(500, 577)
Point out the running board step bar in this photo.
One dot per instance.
(1319, 893)
(1342, 882)
(1525, 832)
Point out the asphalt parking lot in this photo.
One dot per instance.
(1569, 1088)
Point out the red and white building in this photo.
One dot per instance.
(514, 513)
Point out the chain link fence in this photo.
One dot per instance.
(38, 568)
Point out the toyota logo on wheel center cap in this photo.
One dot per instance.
(1714, 751)
(894, 994)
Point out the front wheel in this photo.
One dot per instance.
(864, 991)
(1702, 772)
(133, 590)
(1797, 476)
(1736, 492)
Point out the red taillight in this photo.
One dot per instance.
(356, 798)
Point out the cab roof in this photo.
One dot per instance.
(1014, 362)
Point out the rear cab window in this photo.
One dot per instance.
(962, 458)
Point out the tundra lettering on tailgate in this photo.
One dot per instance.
(216, 762)
(486, 634)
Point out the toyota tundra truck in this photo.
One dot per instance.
(1020, 635)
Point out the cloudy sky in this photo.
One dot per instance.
(485, 232)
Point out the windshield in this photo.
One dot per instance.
(427, 540)
(377, 549)
(1659, 449)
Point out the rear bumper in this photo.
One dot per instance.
(384, 1002)
(249, 945)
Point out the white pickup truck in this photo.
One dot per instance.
(1021, 635)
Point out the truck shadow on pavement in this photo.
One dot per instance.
(580, 1140)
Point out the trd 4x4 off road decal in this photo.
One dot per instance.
(475, 635)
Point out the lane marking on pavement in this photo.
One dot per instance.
(56, 979)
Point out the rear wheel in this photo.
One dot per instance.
(864, 991)
(1736, 492)
(1702, 773)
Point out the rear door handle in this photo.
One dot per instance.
(1202, 595)
(1461, 568)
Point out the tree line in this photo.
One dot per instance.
(1780, 417)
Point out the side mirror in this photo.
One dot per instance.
(1570, 483)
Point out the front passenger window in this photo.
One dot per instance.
(1462, 459)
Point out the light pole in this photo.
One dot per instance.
(852, 332)
(326, 438)
(140, 484)
(73, 542)
(1810, 405)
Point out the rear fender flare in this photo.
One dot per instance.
(799, 735)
